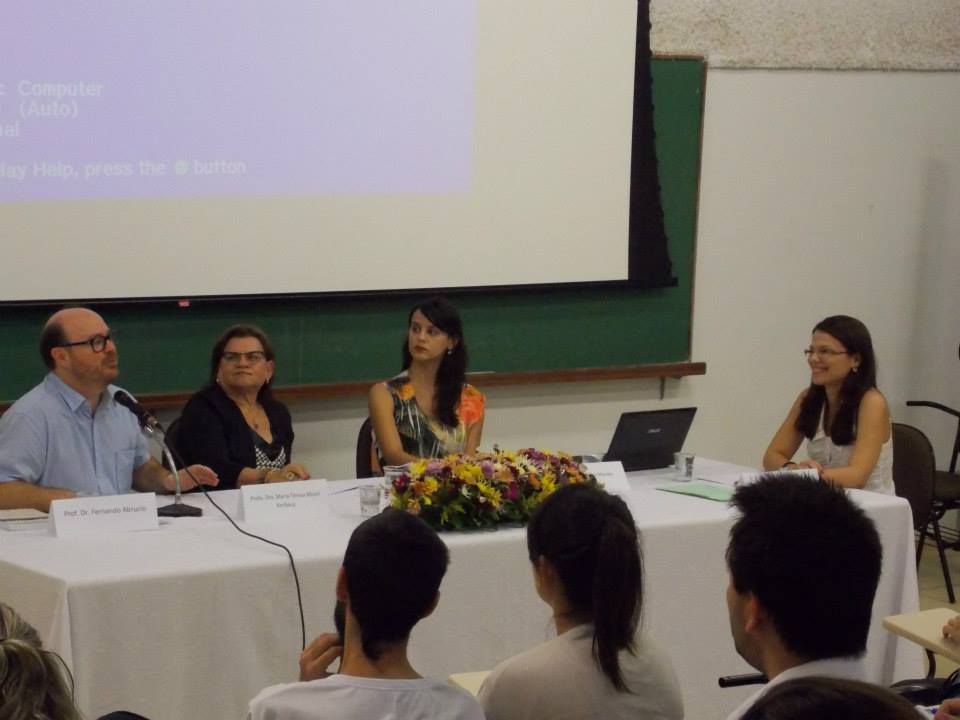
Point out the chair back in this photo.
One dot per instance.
(364, 450)
(173, 430)
(913, 471)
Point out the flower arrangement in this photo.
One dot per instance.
(461, 492)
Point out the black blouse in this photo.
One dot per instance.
(213, 432)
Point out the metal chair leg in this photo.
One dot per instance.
(931, 663)
(922, 541)
(943, 559)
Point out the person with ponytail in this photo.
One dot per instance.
(842, 414)
(34, 683)
(587, 567)
(428, 410)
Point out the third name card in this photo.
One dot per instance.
(276, 502)
(611, 475)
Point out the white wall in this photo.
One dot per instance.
(821, 193)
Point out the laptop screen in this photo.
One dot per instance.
(648, 439)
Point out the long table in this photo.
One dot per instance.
(193, 620)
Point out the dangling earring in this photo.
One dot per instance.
(449, 351)
(856, 368)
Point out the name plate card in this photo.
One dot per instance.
(277, 502)
(103, 514)
(611, 475)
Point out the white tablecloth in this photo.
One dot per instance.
(192, 620)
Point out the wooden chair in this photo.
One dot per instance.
(364, 463)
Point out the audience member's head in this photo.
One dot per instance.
(393, 565)
(586, 539)
(34, 683)
(804, 564)
(822, 698)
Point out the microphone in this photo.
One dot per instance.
(147, 421)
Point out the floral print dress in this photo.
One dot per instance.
(426, 437)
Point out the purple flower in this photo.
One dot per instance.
(487, 468)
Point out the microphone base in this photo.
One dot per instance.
(179, 510)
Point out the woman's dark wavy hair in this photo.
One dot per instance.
(452, 373)
(241, 331)
(591, 540)
(855, 338)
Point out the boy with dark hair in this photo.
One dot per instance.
(389, 580)
(804, 563)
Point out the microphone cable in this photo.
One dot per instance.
(293, 565)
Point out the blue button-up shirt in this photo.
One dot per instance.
(50, 437)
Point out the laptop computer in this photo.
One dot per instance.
(647, 439)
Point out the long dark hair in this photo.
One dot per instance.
(855, 338)
(241, 331)
(591, 540)
(452, 373)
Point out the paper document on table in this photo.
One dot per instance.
(22, 519)
(801, 474)
(706, 489)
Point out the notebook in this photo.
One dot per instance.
(647, 439)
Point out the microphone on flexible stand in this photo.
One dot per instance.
(155, 430)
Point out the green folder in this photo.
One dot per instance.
(708, 490)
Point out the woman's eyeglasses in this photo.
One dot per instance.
(252, 357)
(823, 353)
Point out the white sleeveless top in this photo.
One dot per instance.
(829, 455)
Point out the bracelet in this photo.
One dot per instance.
(788, 462)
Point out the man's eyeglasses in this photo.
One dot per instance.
(252, 357)
(98, 343)
(825, 353)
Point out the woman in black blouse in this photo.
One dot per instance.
(234, 424)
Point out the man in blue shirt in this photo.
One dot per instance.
(68, 436)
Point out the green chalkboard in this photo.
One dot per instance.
(165, 348)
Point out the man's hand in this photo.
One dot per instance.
(315, 660)
(202, 473)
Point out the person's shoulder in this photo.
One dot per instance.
(398, 385)
(287, 695)
(520, 670)
(458, 704)
(471, 391)
(34, 409)
(32, 401)
(873, 399)
(207, 398)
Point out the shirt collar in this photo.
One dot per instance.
(71, 397)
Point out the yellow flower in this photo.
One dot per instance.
(413, 507)
(417, 468)
(470, 474)
(429, 486)
(489, 493)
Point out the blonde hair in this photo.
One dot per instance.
(34, 683)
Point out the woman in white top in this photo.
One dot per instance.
(842, 415)
(587, 567)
